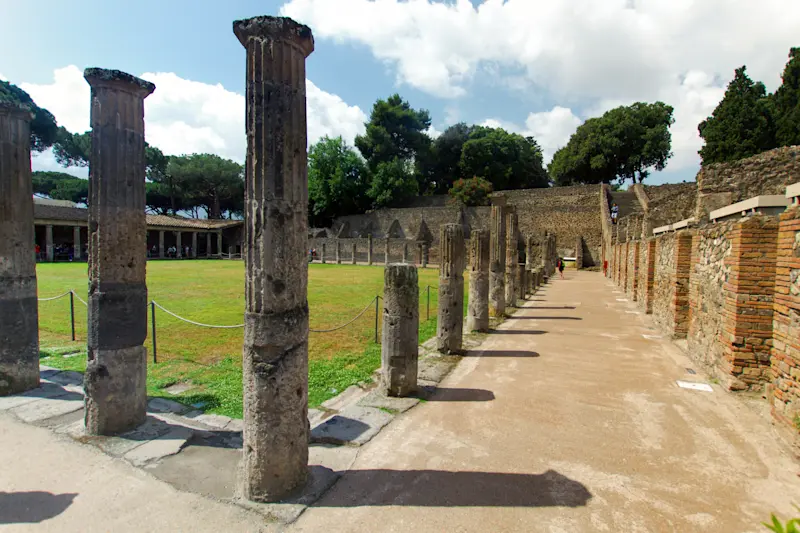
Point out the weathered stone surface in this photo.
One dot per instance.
(521, 281)
(511, 257)
(478, 303)
(434, 369)
(426, 250)
(115, 373)
(19, 319)
(400, 335)
(324, 258)
(353, 253)
(355, 426)
(497, 258)
(378, 399)
(450, 323)
(46, 408)
(338, 252)
(163, 446)
(369, 249)
(275, 362)
(386, 251)
(347, 397)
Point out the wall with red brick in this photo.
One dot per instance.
(671, 282)
(647, 258)
(785, 375)
(632, 280)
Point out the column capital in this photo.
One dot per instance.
(118, 80)
(281, 29)
(16, 111)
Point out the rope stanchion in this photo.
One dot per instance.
(54, 297)
(348, 323)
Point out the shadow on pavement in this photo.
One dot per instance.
(546, 318)
(501, 353)
(439, 394)
(32, 507)
(517, 331)
(436, 488)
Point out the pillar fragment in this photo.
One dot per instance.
(497, 258)
(450, 323)
(354, 252)
(76, 243)
(275, 358)
(324, 259)
(369, 249)
(178, 245)
(386, 250)
(48, 240)
(400, 334)
(405, 252)
(521, 281)
(161, 244)
(19, 315)
(338, 252)
(208, 245)
(426, 250)
(219, 244)
(478, 303)
(193, 251)
(116, 371)
(511, 258)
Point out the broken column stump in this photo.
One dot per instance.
(478, 303)
(450, 323)
(400, 335)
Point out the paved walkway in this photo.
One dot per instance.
(569, 420)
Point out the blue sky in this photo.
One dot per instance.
(534, 66)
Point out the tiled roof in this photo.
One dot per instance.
(78, 214)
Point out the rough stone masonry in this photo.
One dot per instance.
(511, 257)
(400, 334)
(478, 303)
(19, 319)
(116, 371)
(450, 323)
(275, 358)
(497, 258)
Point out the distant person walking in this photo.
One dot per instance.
(561, 267)
(614, 213)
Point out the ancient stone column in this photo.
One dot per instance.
(178, 245)
(161, 244)
(369, 249)
(76, 242)
(219, 243)
(497, 258)
(405, 252)
(115, 381)
(419, 253)
(208, 245)
(386, 252)
(353, 253)
(19, 315)
(579, 253)
(478, 303)
(194, 245)
(275, 362)
(48, 239)
(521, 281)
(338, 252)
(400, 334)
(425, 254)
(323, 253)
(511, 258)
(450, 325)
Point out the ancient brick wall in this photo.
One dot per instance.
(785, 388)
(669, 203)
(632, 279)
(671, 282)
(647, 274)
(641, 281)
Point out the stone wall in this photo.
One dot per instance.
(378, 248)
(567, 212)
(671, 282)
(669, 203)
(722, 184)
(632, 278)
(647, 274)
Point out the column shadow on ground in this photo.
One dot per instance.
(501, 353)
(517, 331)
(432, 393)
(32, 507)
(553, 308)
(546, 318)
(436, 488)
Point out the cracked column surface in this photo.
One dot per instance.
(478, 303)
(400, 334)
(386, 250)
(116, 371)
(275, 355)
(511, 258)
(450, 323)
(497, 258)
(19, 314)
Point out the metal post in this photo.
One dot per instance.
(428, 308)
(72, 312)
(377, 301)
(153, 321)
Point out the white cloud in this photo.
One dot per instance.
(184, 116)
(551, 129)
(586, 53)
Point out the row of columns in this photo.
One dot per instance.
(423, 252)
(193, 251)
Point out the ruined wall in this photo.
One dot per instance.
(722, 184)
(664, 281)
(642, 281)
(647, 274)
(631, 280)
(567, 212)
(670, 203)
(378, 247)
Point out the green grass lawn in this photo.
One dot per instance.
(212, 292)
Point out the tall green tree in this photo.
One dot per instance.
(61, 186)
(445, 157)
(506, 160)
(393, 183)
(208, 181)
(741, 124)
(338, 181)
(625, 143)
(44, 129)
(785, 104)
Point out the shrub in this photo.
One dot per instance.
(473, 191)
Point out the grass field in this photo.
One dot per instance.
(212, 292)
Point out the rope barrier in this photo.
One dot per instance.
(54, 297)
(192, 321)
(347, 324)
(81, 300)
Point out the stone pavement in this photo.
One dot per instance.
(568, 419)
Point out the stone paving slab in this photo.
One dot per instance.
(379, 400)
(45, 408)
(66, 378)
(162, 405)
(46, 390)
(165, 445)
(347, 397)
(120, 445)
(354, 426)
(435, 368)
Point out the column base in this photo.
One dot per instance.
(116, 390)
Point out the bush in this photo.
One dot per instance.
(471, 192)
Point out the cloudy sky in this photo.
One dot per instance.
(539, 67)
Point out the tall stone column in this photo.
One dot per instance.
(19, 311)
(275, 363)
(354, 252)
(219, 243)
(338, 252)
(369, 249)
(116, 394)
(208, 245)
(419, 252)
(405, 252)
(386, 251)
(497, 258)
(400, 334)
(529, 263)
(161, 244)
(48, 240)
(478, 303)
(521, 281)
(194, 245)
(425, 254)
(450, 325)
(178, 245)
(511, 257)
(324, 259)
(76, 242)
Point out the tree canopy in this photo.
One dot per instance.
(44, 129)
(624, 143)
(785, 106)
(338, 181)
(506, 160)
(208, 181)
(61, 186)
